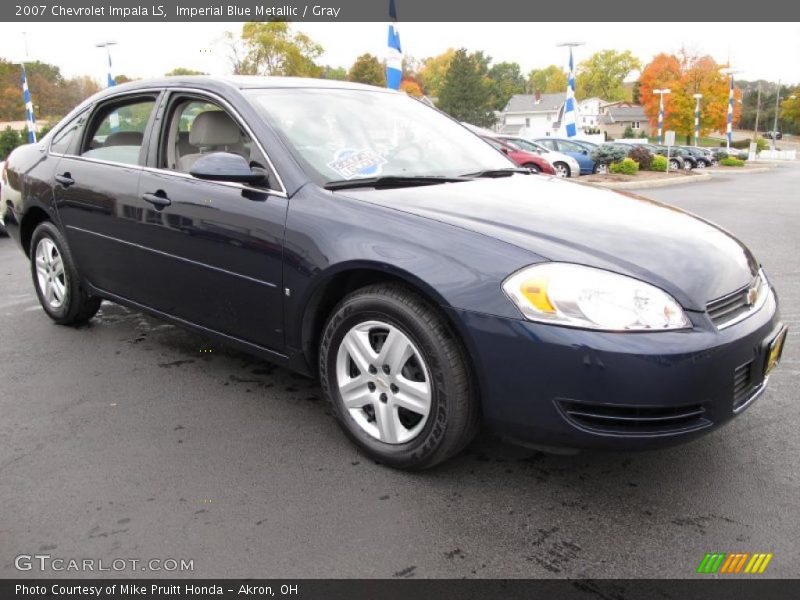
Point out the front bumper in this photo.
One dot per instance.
(562, 387)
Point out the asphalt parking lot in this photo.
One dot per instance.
(130, 438)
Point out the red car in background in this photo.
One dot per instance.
(531, 161)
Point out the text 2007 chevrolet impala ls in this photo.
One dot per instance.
(356, 234)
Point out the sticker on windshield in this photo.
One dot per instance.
(350, 163)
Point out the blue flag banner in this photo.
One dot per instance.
(394, 58)
(111, 82)
(30, 120)
(569, 106)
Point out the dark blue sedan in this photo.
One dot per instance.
(355, 234)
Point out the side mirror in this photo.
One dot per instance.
(226, 166)
(585, 152)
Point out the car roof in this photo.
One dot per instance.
(239, 82)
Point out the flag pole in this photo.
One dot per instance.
(570, 108)
(30, 119)
(394, 57)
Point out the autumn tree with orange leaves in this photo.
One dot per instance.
(686, 74)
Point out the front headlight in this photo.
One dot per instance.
(579, 296)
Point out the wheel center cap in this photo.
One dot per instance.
(383, 384)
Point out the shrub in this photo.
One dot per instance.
(761, 144)
(641, 155)
(606, 154)
(730, 161)
(627, 166)
(9, 139)
(659, 163)
(628, 133)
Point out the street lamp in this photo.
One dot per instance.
(697, 119)
(661, 93)
(107, 45)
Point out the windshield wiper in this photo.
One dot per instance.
(499, 172)
(392, 181)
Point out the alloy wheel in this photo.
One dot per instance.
(50, 273)
(562, 170)
(384, 382)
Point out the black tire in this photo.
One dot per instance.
(78, 306)
(533, 167)
(453, 418)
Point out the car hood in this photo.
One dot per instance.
(558, 220)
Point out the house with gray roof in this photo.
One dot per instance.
(615, 118)
(533, 115)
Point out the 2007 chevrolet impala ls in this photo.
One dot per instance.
(359, 235)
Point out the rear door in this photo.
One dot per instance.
(96, 189)
(215, 248)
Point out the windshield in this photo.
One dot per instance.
(341, 135)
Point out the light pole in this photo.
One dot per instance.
(661, 93)
(697, 119)
(570, 110)
(107, 45)
(775, 122)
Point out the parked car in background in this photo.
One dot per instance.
(720, 153)
(770, 135)
(701, 157)
(535, 162)
(676, 161)
(564, 165)
(577, 149)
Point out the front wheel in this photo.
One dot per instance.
(701, 164)
(674, 165)
(601, 169)
(397, 378)
(56, 280)
(533, 167)
(562, 169)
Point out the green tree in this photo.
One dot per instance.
(337, 73)
(368, 69)
(272, 48)
(549, 80)
(183, 71)
(506, 80)
(434, 70)
(466, 93)
(603, 73)
(790, 111)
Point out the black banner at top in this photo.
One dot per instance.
(407, 10)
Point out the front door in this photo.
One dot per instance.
(216, 247)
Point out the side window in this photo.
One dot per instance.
(62, 140)
(117, 132)
(549, 144)
(197, 127)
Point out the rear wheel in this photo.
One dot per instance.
(601, 169)
(674, 164)
(55, 279)
(397, 378)
(562, 169)
(701, 164)
(533, 167)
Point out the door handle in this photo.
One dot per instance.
(158, 199)
(65, 179)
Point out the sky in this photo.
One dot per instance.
(760, 51)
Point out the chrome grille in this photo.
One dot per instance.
(734, 306)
